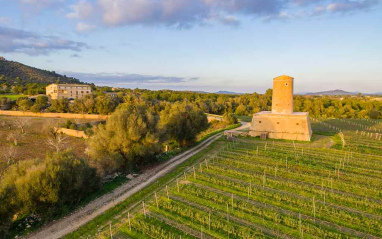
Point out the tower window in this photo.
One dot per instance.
(286, 84)
(260, 122)
(278, 122)
(297, 124)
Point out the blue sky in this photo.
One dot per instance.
(210, 45)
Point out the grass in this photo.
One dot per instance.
(244, 118)
(11, 96)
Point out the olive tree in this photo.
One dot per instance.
(129, 138)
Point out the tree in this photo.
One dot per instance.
(14, 137)
(230, 118)
(40, 104)
(24, 103)
(182, 122)
(44, 188)
(23, 123)
(10, 153)
(60, 105)
(374, 114)
(57, 141)
(129, 138)
(241, 110)
(5, 103)
(105, 105)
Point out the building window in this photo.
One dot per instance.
(260, 122)
(297, 124)
(286, 84)
(278, 122)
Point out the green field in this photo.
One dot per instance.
(330, 188)
(12, 97)
(244, 118)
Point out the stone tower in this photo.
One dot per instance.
(282, 122)
(282, 99)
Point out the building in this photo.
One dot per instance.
(70, 91)
(282, 122)
(111, 94)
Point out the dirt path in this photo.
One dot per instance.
(98, 206)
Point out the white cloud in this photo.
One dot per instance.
(40, 4)
(350, 6)
(19, 41)
(81, 10)
(125, 79)
(85, 28)
(4, 21)
(178, 13)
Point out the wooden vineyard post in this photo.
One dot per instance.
(177, 184)
(276, 170)
(248, 192)
(286, 162)
(264, 180)
(250, 187)
(156, 200)
(128, 218)
(299, 223)
(232, 200)
(227, 213)
(144, 209)
(265, 146)
(206, 163)
(185, 176)
(209, 220)
(111, 233)
(200, 166)
(201, 231)
(257, 150)
(324, 197)
(314, 208)
(193, 167)
(167, 192)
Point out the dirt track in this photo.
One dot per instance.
(98, 206)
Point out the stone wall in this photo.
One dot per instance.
(73, 132)
(54, 115)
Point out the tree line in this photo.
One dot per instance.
(247, 104)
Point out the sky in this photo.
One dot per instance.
(200, 45)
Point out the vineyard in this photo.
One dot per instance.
(271, 189)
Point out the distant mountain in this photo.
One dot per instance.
(10, 70)
(376, 93)
(227, 92)
(332, 92)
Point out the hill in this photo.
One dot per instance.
(333, 92)
(11, 70)
(227, 92)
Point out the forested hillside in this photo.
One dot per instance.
(15, 72)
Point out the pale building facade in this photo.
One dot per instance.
(282, 122)
(70, 91)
